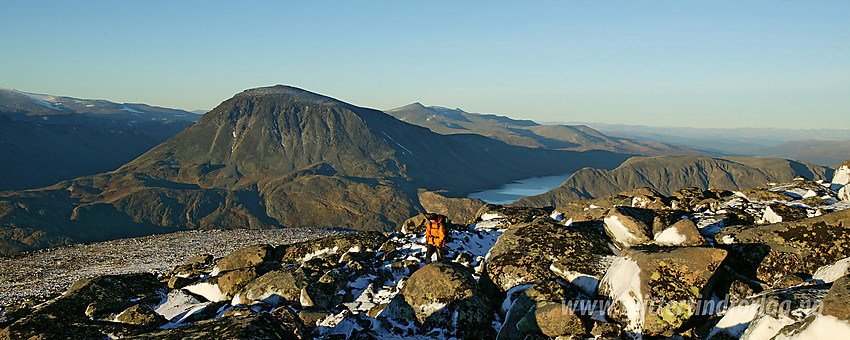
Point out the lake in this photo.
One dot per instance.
(521, 188)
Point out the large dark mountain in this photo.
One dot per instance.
(669, 173)
(276, 157)
(45, 139)
(528, 133)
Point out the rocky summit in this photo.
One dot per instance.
(762, 263)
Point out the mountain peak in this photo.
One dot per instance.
(291, 92)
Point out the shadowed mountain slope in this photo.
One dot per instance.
(272, 157)
(45, 139)
(669, 173)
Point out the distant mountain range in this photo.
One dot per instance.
(827, 146)
(45, 139)
(669, 173)
(276, 157)
(528, 133)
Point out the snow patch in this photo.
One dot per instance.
(770, 216)
(831, 273)
(208, 290)
(842, 176)
(766, 326)
(622, 284)
(727, 239)
(619, 230)
(822, 327)
(586, 283)
(397, 143)
(131, 110)
(670, 237)
(490, 216)
(735, 321)
(318, 253)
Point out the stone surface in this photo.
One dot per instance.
(525, 252)
(141, 315)
(775, 253)
(682, 233)
(654, 288)
(445, 295)
(628, 227)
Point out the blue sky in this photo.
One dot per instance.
(670, 63)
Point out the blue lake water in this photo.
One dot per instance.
(518, 189)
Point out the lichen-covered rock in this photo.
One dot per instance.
(628, 227)
(778, 253)
(332, 245)
(277, 287)
(445, 295)
(522, 306)
(654, 289)
(526, 252)
(414, 225)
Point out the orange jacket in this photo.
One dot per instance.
(435, 233)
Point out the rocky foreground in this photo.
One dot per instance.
(763, 263)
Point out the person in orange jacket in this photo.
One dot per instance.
(435, 236)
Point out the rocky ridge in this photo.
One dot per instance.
(695, 264)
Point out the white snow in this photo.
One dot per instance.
(490, 216)
(555, 215)
(832, 272)
(586, 283)
(822, 327)
(765, 327)
(397, 143)
(620, 232)
(736, 320)
(130, 109)
(510, 297)
(842, 175)
(178, 305)
(42, 100)
(770, 216)
(727, 239)
(640, 202)
(670, 237)
(844, 193)
(622, 284)
(208, 290)
(318, 253)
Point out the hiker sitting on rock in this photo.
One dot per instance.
(435, 236)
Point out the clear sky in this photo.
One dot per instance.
(671, 63)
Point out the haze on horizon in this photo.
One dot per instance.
(778, 64)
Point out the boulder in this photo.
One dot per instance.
(628, 227)
(654, 290)
(414, 225)
(141, 315)
(682, 233)
(525, 253)
(277, 287)
(539, 309)
(784, 254)
(332, 245)
(254, 326)
(844, 193)
(245, 257)
(458, 210)
(646, 198)
(224, 286)
(445, 295)
(837, 301)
